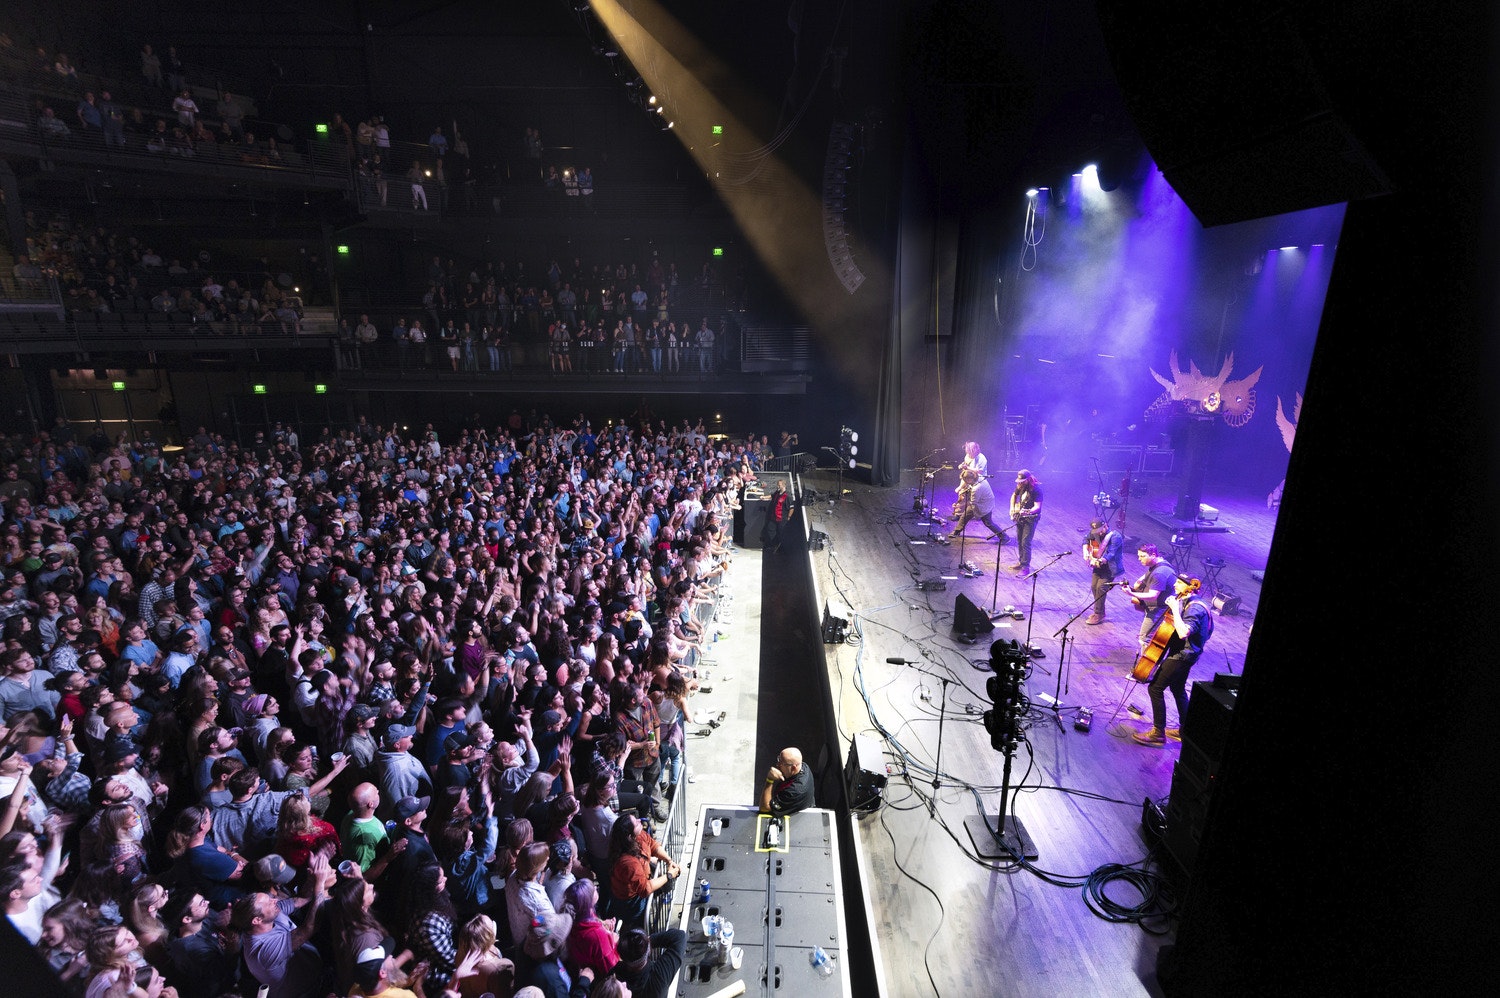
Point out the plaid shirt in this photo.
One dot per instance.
(69, 790)
(433, 941)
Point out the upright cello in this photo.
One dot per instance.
(1156, 649)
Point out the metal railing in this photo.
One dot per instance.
(318, 162)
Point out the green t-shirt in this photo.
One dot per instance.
(364, 839)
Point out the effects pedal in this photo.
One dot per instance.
(1083, 720)
(1133, 709)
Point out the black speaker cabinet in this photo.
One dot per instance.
(969, 619)
(864, 774)
(1205, 732)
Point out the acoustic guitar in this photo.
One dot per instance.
(1156, 649)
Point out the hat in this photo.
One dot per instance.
(362, 712)
(457, 740)
(272, 869)
(53, 557)
(1023, 473)
(562, 851)
(117, 749)
(254, 705)
(408, 806)
(551, 717)
(396, 732)
(373, 953)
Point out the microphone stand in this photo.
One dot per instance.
(937, 766)
(1032, 609)
(1056, 706)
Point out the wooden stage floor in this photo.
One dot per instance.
(948, 923)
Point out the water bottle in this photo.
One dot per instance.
(822, 962)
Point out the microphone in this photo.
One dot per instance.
(1064, 554)
(900, 661)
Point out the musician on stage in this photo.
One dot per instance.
(976, 499)
(1105, 550)
(1149, 593)
(1193, 622)
(974, 458)
(1025, 511)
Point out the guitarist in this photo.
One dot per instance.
(976, 499)
(1193, 622)
(1149, 593)
(1105, 550)
(1025, 510)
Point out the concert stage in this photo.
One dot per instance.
(941, 915)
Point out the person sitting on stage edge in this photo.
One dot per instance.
(1193, 621)
(1026, 511)
(1105, 549)
(1149, 593)
(789, 785)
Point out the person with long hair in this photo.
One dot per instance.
(143, 915)
(302, 774)
(118, 844)
(592, 942)
(468, 877)
(300, 833)
(66, 927)
(118, 971)
(355, 928)
(430, 923)
(1026, 511)
(200, 866)
(631, 851)
(491, 972)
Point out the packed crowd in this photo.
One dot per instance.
(366, 715)
(102, 271)
(597, 319)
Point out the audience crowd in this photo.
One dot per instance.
(570, 317)
(102, 271)
(368, 715)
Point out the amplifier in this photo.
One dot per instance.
(864, 774)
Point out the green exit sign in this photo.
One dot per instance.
(118, 386)
(718, 251)
(718, 129)
(258, 389)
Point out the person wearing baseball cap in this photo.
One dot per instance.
(396, 771)
(411, 815)
(360, 743)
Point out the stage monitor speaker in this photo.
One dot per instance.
(864, 773)
(1205, 733)
(968, 618)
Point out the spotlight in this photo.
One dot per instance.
(651, 100)
(671, 125)
(1031, 193)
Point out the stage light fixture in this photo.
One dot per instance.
(651, 100)
(1031, 193)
